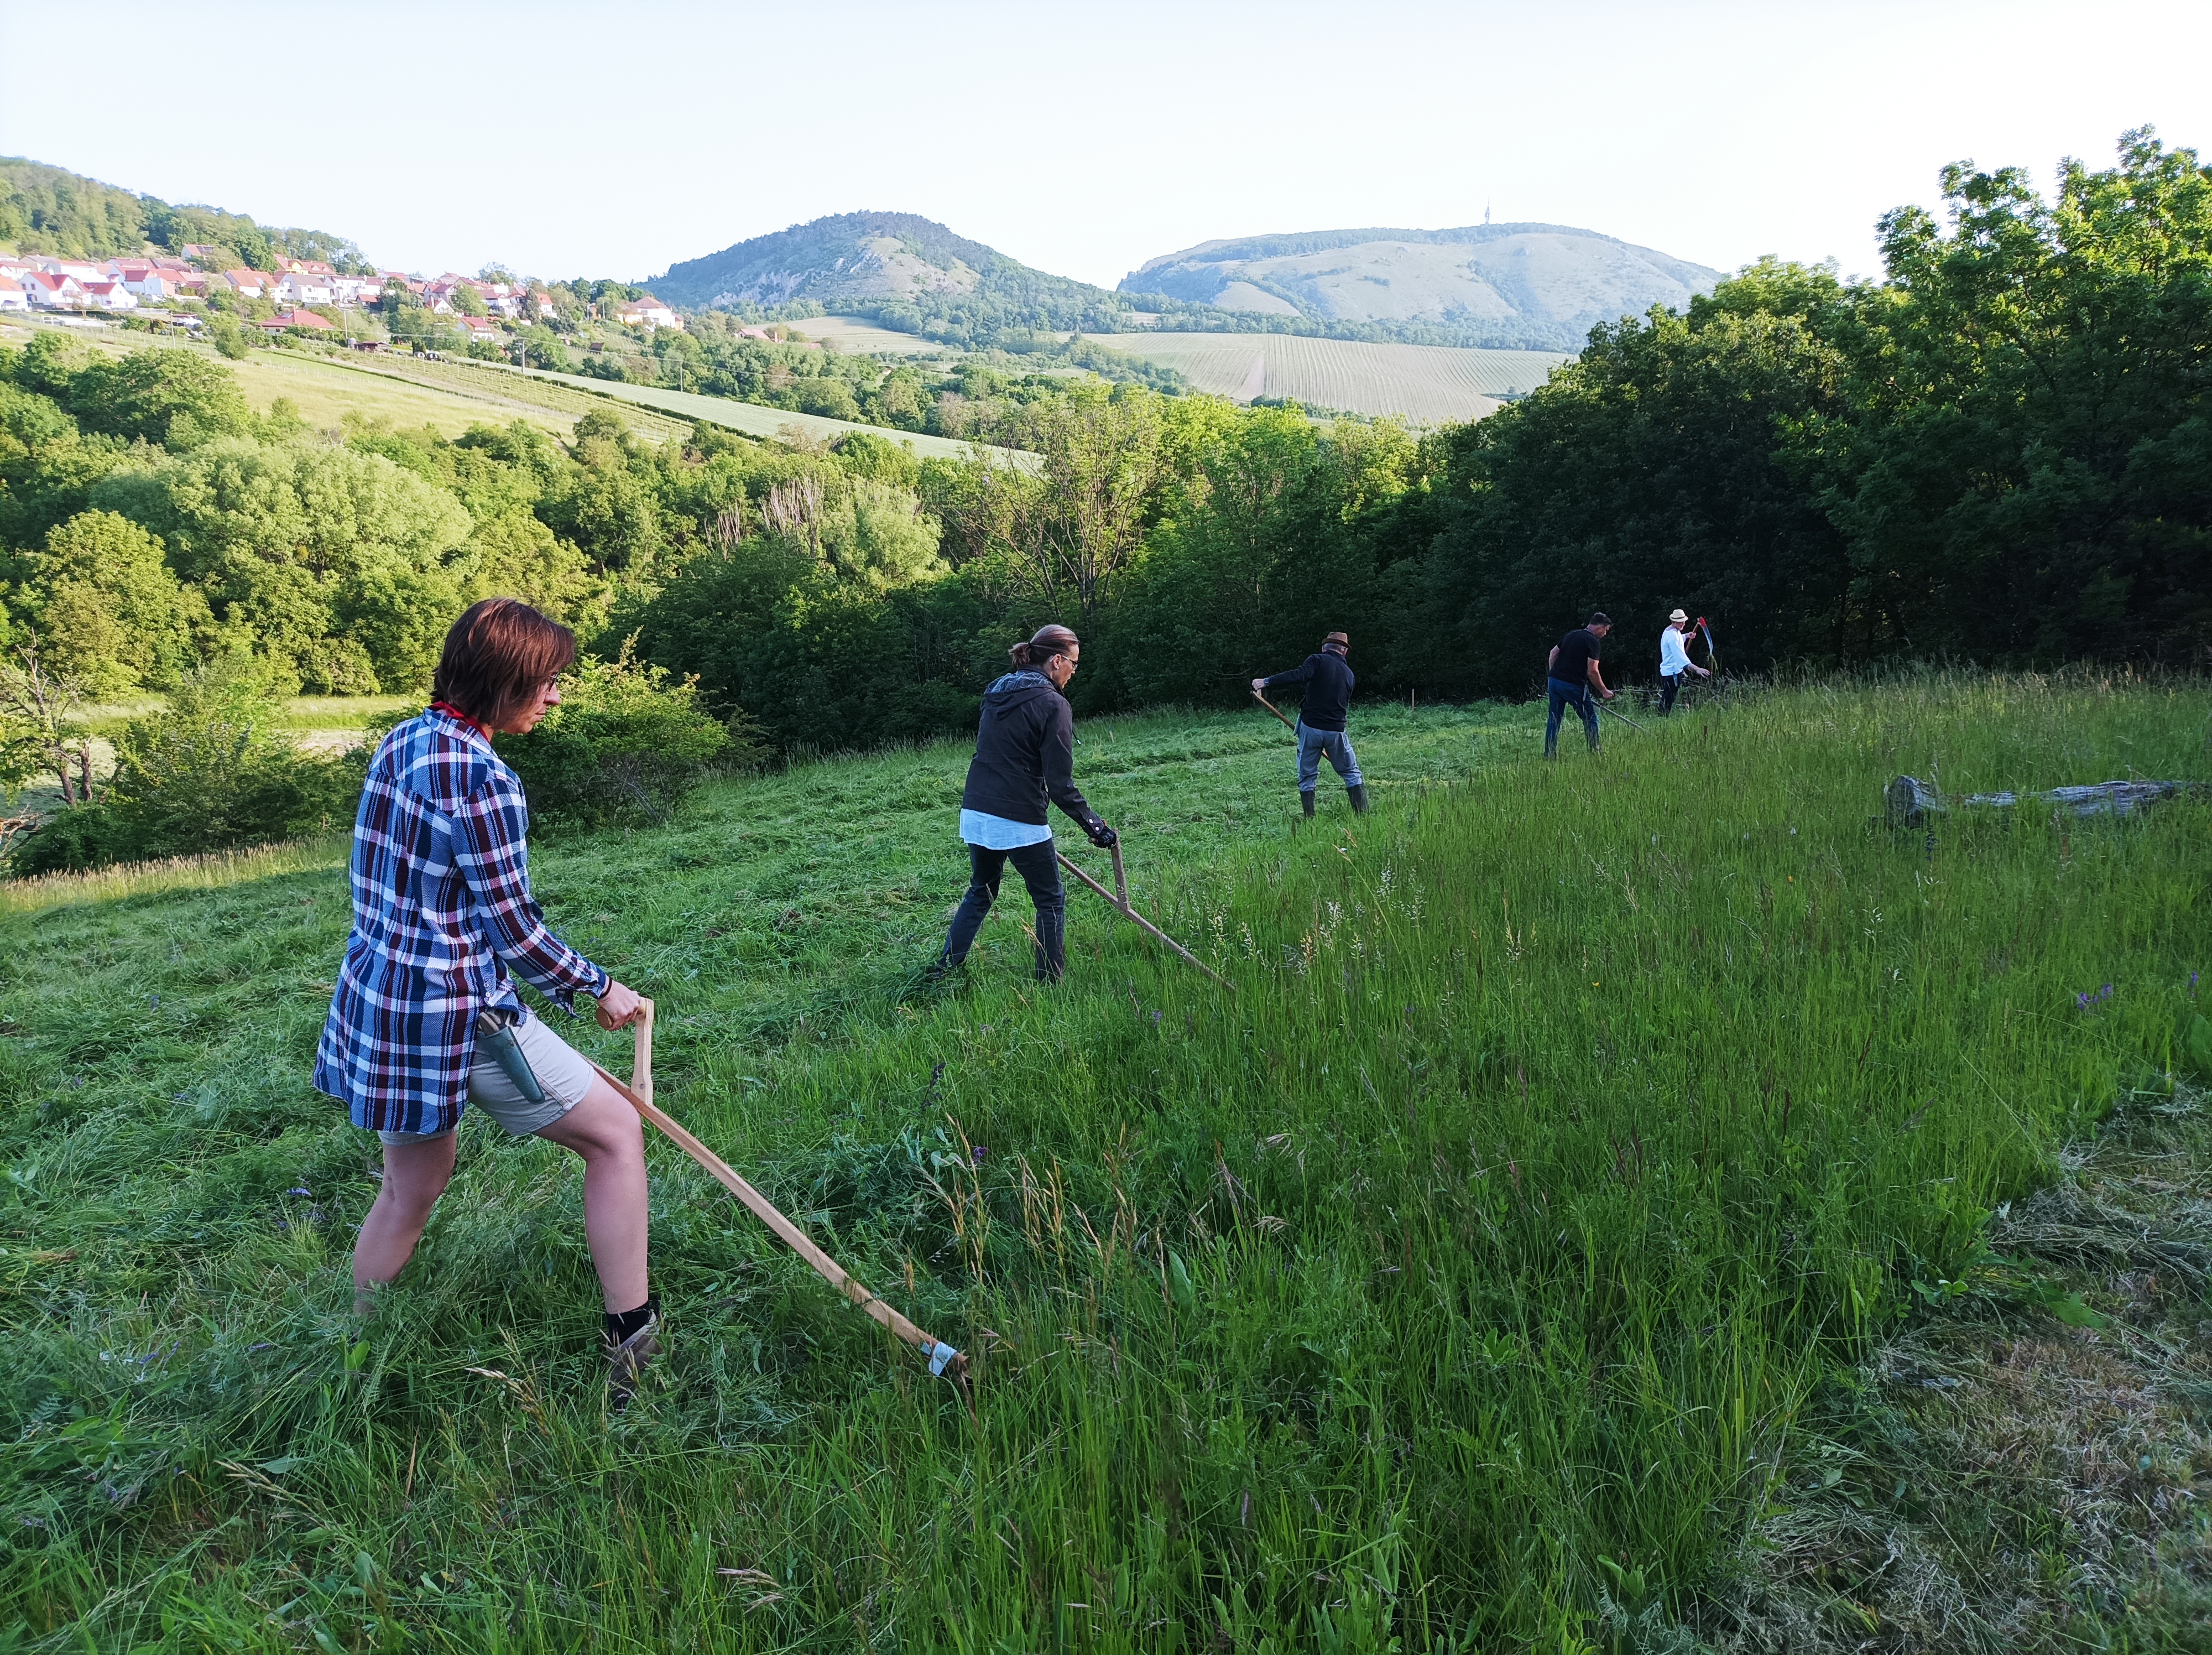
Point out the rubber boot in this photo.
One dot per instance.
(1306, 800)
(1357, 794)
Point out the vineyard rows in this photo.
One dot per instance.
(1425, 384)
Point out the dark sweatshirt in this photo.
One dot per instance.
(1327, 677)
(1025, 753)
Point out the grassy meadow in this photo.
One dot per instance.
(755, 420)
(1426, 384)
(324, 391)
(1640, 1202)
(448, 397)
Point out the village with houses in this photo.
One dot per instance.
(309, 296)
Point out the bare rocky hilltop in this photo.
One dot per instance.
(1519, 287)
(1513, 286)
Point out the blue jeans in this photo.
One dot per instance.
(1312, 743)
(1563, 696)
(1039, 871)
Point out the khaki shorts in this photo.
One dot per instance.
(563, 1075)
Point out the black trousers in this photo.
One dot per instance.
(1039, 871)
(1668, 692)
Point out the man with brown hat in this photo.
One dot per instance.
(1674, 660)
(1328, 680)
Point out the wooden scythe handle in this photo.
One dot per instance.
(1272, 708)
(943, 1358)
(1121, 906)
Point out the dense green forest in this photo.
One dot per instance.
(63, 213)
(2000, 452)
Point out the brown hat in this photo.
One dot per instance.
(1336, 637)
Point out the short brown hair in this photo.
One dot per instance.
(1049, 640)
(497, 654)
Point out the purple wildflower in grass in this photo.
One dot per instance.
(978, 1152)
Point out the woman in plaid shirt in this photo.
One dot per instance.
(426, 1019)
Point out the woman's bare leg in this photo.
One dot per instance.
(415, 1176)
(605, 1131)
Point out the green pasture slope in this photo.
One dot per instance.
(1508, 1262)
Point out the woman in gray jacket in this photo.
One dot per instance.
(1025, 759)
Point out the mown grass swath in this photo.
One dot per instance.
(1477, 1257)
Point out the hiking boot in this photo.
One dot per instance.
(1357, 794)
(940, 970)
(1306, 802)
(626, 1363)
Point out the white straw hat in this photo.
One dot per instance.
(1679, 617)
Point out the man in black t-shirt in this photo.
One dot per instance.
(1573, 674)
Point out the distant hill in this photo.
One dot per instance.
(1534, 287)
(51, 209)
(910, 272)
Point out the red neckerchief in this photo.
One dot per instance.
(452, 711)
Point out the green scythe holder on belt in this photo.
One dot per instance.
(496, 1036)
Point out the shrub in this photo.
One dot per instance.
(625, 746)
(212, 772)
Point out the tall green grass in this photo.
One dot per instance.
(1456, 1282)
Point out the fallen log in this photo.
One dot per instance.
(1912, 801)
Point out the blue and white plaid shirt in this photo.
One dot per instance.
(442, 905)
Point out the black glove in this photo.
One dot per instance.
(1101, 834)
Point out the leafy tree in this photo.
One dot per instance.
(105, 610)
(542, 348)
(1255, 558)
(47, 467)
(166, 396)
(1074, 528)
(1648, 474)
(2031, 477)
(305, 550)
(863, 453)
(607, 503)
(498, 474)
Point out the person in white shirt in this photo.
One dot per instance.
(1674, 660)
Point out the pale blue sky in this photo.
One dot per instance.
(612, 140)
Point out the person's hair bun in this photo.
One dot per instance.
(1049, 640)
